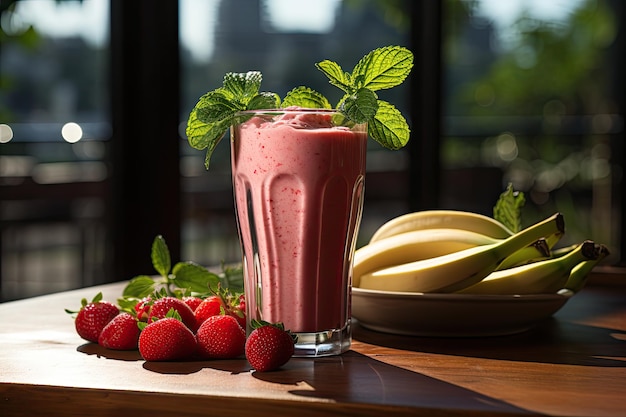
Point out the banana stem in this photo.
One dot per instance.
(538, 250)
(578, 275)
(551, 225)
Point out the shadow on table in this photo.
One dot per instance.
(186, 367)
(232, 366)
(356, 378)
(558, 340)
(554, 341)
(101, 352)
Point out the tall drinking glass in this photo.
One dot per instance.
(298, 177)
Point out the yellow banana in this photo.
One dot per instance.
(442, 219)
(452, 272)
(414, 246)
(542, 277)
(538, 251)
(578, 276)
(556, 253)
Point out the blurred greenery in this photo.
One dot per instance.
(550, 61)
(27, 39)
(536, 104)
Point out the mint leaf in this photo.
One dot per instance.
(383, 68)
(211, 117)
(161, 256)
(306, 97)
(336, 75)
(243, 86)
(389, 128)
(362, 106)
(508, 208)
(139, 287)
(199, 134)
(264, 101)
(217, 106)
(194, 277)
(380, 69)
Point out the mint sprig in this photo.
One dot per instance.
(382, 68)
(215, 111)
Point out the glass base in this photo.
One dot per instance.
(327, 343)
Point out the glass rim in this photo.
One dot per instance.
(288, 110)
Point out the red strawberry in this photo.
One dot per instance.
(269, 346)
(167, 339)
(142, 308)
(93, 316)
(192, 302)
(161, 306)
(221, 337)
(122, 333)
(240, 311)
(210, 306)
(232, 304)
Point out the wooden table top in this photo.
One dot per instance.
(574, 364)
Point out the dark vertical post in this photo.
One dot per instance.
(617, 51)
(145, 141)
(426, 92)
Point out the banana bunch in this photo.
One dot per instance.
(449, 251)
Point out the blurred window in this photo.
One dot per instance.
(54, 128)
(531, 94)
(283, 39)
(531, 98)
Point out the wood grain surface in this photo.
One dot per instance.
(574, 364)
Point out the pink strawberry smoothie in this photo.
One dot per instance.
(299, 193)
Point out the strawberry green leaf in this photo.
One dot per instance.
(232, 278)
(307, 98)
(383, 68)
(128, 304)
(139, 287)
(336, 75)
(389, 128)
(172, 313)
(161, 256)
(194, 277)
(508, 208)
